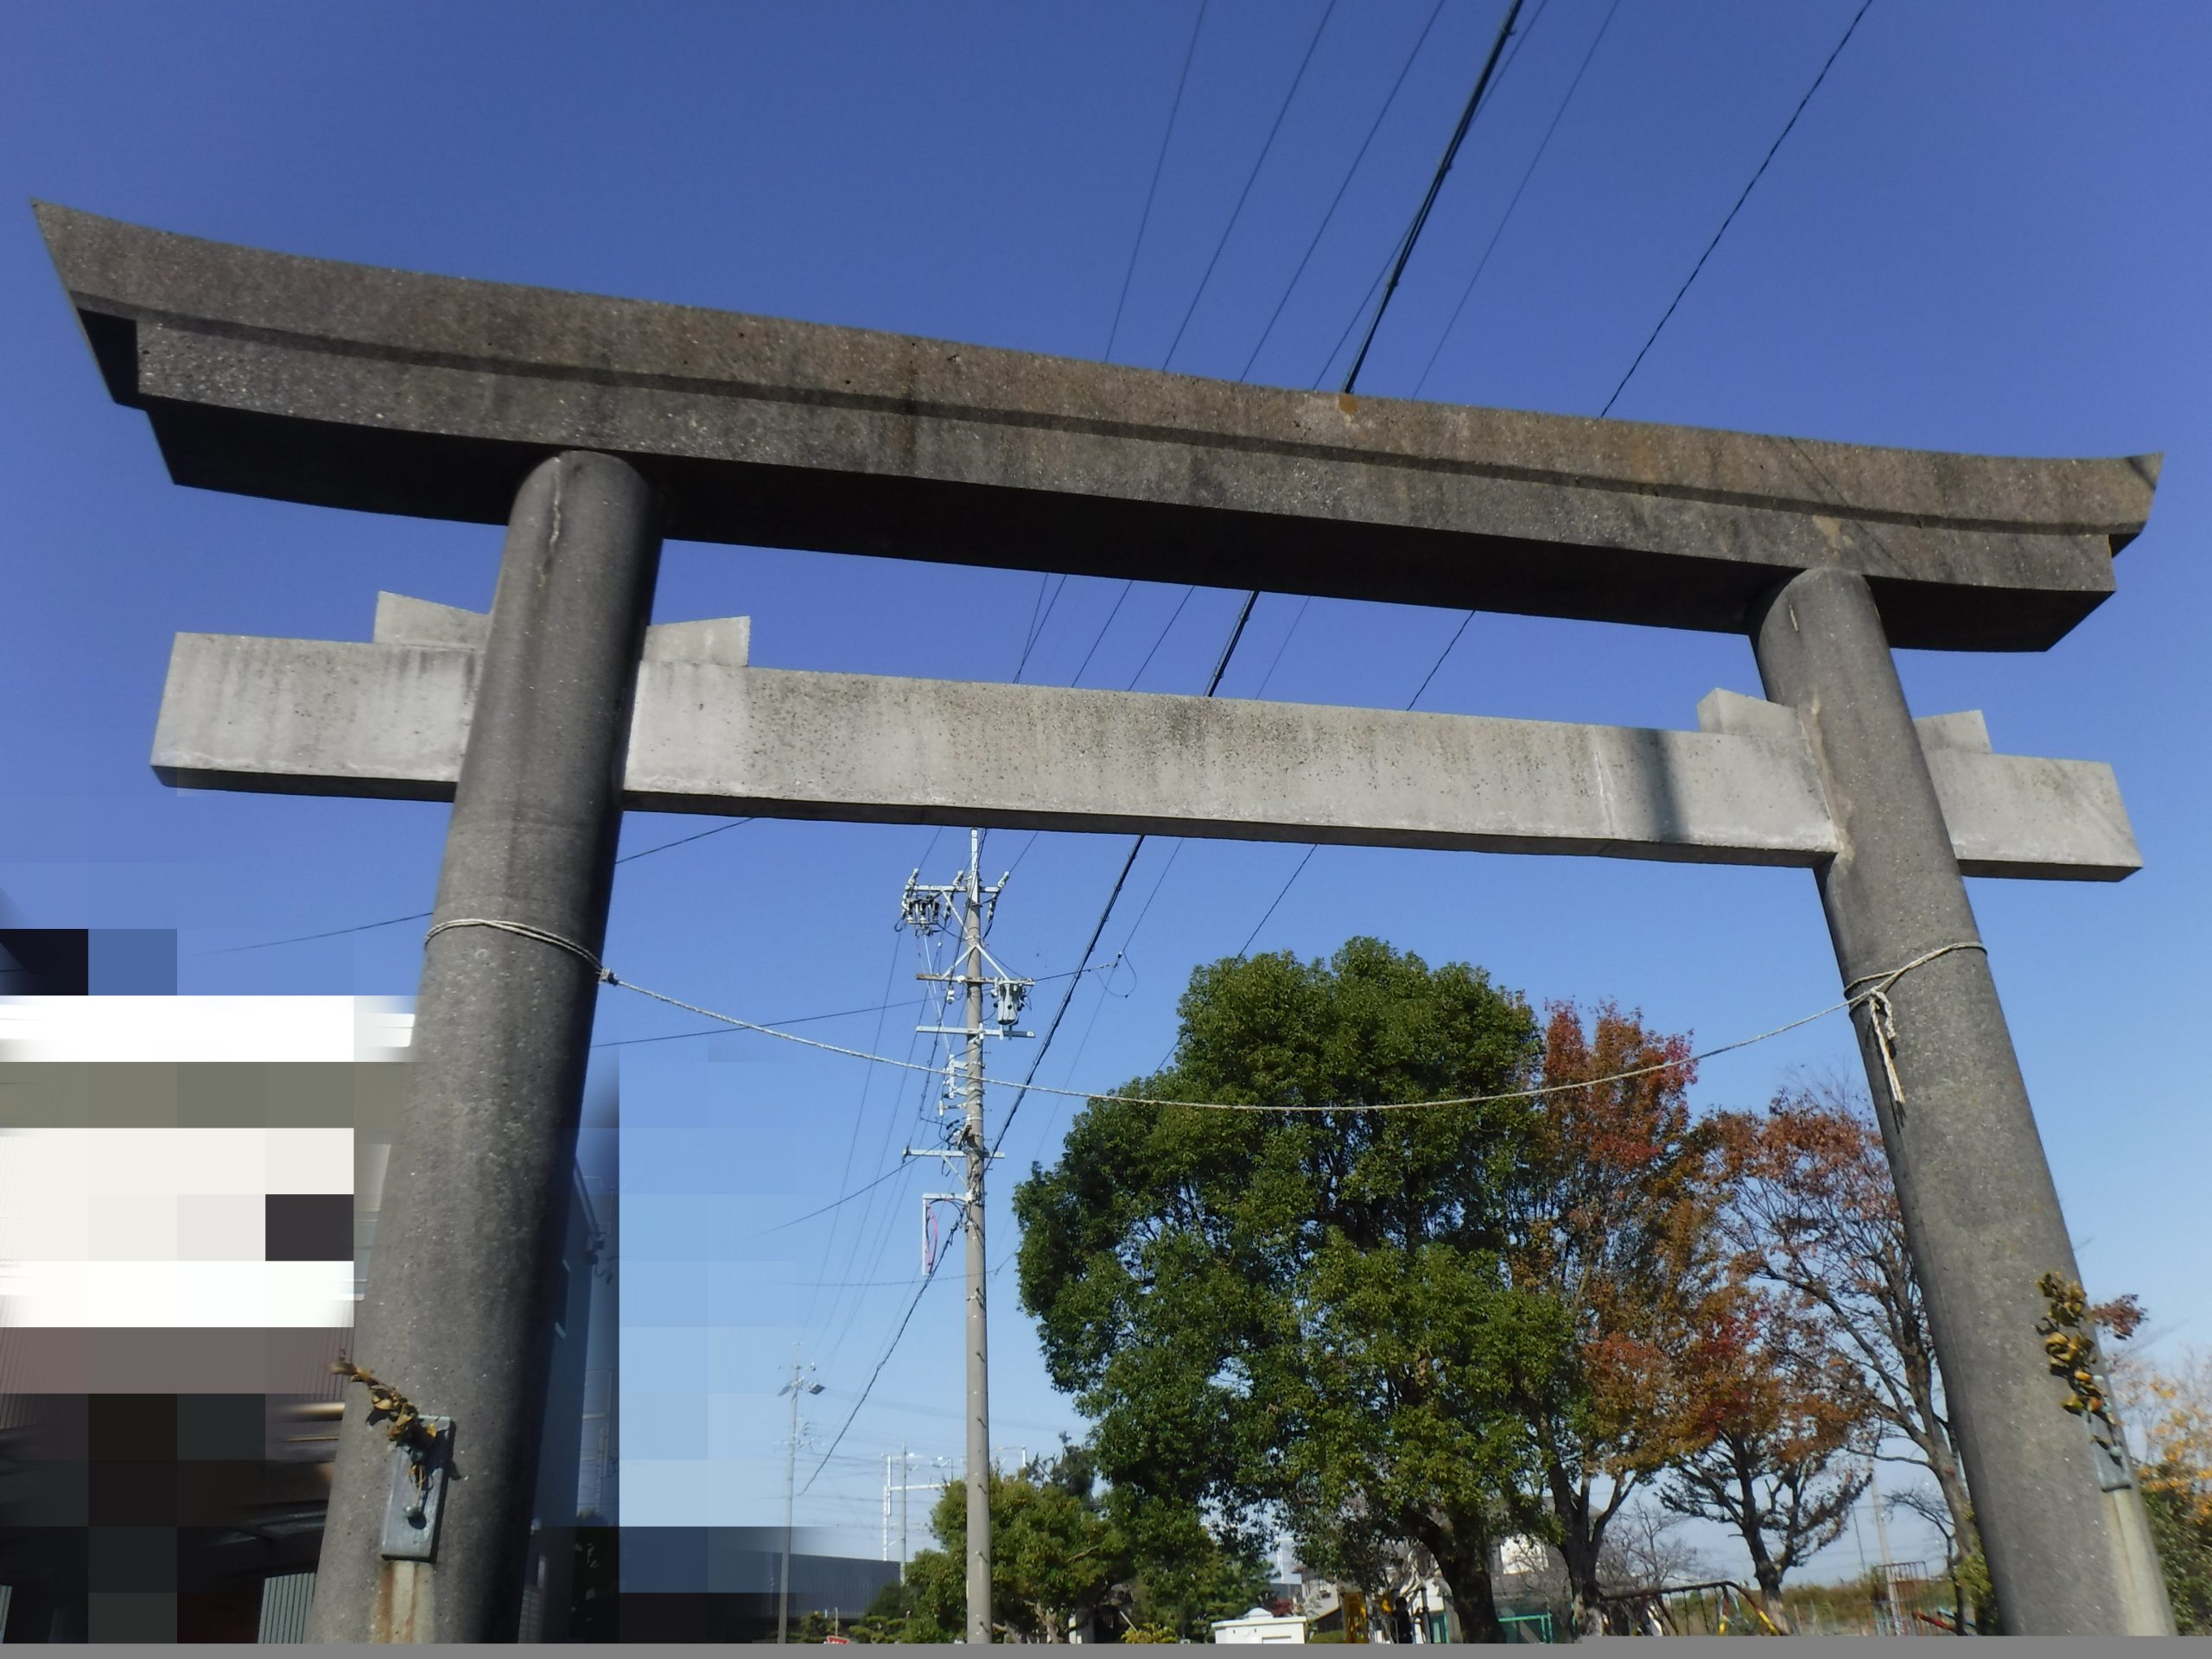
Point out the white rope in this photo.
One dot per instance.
(524, 931)
(1882, 1016)
(1876, 998)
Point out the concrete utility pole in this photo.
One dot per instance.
(800, 1385)
(1980, 1208)
(456, 1315)
(979, 1378)
(928, 909)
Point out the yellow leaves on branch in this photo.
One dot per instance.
(2071, 1345)
(408, 1427)
(2175, 1417)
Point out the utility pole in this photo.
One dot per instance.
(905, 1460)
(800, 1384)
(929, 909)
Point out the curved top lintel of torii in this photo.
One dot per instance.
(350, 386)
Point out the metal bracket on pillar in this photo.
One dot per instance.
(418, 1493)
(2115, 1467)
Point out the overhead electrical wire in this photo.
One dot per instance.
(890, 1349)
(1876, 997)
(1435, 187)
(1344, 184)
(1250, 178)
(1772, 148)
(853, 1140)
(1506, 219)
(1402, 254)
(1387, 280)
(1159, 161)
(424, 915)
(1395, 269)
(814, 1019)
(1850, 29)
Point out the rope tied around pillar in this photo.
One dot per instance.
(524, 930)
(1882, 1014)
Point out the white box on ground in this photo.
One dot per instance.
(1259, 1626)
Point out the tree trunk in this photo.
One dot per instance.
(1466, 1577)
(1578, 1540)
(1770, 1576)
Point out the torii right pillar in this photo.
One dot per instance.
(1980, 1210)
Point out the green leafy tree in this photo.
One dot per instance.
(1307, 1314)
(1054, 1556)
(1183, 1578)
(1064, 1548)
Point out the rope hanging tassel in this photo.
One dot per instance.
(1881, 1012)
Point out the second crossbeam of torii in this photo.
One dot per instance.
(591, 427)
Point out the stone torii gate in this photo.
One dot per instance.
(590, 427)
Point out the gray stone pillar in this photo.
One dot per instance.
(1981, 1210)
(458, 1314)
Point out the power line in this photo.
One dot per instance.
(891, 1348)
(1037, 623)
(331, 933)
(1160, 160)
(1393, 269)
(857, 1192)
(1172, 617)
(1849, 29)
(814, 1019)
(1284, 891)
(860, 1116)
(1060, 1012)
(1876, 997)
(1250, 178)
(1099, 638)
(1528, 172)
(424, 915)
(1251, 599)
(1435, 187)
(685, 841)
(1336, 200)
(717, 1031)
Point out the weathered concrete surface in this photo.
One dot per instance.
(404, 621)
(458, 1312)
(329, 717)
(353, 386)
(1981, 1210)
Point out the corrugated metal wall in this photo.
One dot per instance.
(284, 1601)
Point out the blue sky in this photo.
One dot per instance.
(1986, 234)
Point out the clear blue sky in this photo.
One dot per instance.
(1986, 234)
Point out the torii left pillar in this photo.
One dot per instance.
(456, 1312)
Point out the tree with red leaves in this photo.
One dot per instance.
(1780, 1437)
(1614, 1224)
(1811, 1212)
